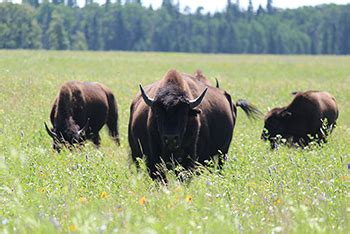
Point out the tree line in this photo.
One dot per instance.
(128, 25)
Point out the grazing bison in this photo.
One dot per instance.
(311, 115)
(200, 76)
(180, 120)
(79, 112)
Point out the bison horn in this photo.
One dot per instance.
(217, 83)
(83, 130)
(194, 103)
(51, 133)
(149, 101)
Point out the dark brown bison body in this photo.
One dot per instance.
(202, 78)
(180, 120)
(79, 112)
(311, 115)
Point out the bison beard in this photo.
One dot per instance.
(181, 120)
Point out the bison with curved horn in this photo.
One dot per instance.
(310, 116)
(80, 110)
(180, 120)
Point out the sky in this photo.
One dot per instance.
(218, 5)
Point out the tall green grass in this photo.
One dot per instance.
(259, 191)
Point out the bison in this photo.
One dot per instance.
(181, 120)
(201, 77)
(79, 112)
(310, 116)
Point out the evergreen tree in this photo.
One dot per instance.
(57, 2)
(71, 3)
(269, 7)
(18, 27)
(33, 3)
(260, 11)
(130, 26)
(58, 37)
(79, 41)
(250, 10)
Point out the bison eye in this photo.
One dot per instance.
(158, 111)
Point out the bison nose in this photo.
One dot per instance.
(171, 139)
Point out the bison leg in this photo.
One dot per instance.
(155, 171)
(96, 139)
(222, 160)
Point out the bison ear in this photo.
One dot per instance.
(286, 114)
(194, 112)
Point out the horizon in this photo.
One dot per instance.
(219, 5)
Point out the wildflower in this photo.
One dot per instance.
(142, 201)
(119, 209)
(83, 200)
(344, 178)
(178, 188)
(277, 202)
(277, 229)
(104, 195)
(41, 190)
(73, 228)
(188, 198)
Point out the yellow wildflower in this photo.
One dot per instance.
(344, 178)
(104, 194)
(73, 228)
(189, 198)
(178, 188)
(142, 201)
(41, 190)
(83, 200)
(277, 202)
(119, 209)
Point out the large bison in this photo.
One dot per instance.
(311, 115)
(79, 112)
(181, 120)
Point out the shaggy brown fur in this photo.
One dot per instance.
(199, 76)
(198, 133)
(303, 118)
(83, 105)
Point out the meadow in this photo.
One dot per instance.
(258, 191)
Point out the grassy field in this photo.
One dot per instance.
(259, 191)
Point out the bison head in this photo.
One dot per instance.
(172, 110)
(276, 122)
(68, 136)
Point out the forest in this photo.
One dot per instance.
(130, 26)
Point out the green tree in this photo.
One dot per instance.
(269, 7)
(79, 41)
(33, 3)
(71, 3)
(18, 27)
(58, 37)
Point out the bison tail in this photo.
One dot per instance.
(251, 111)
(112, 121)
